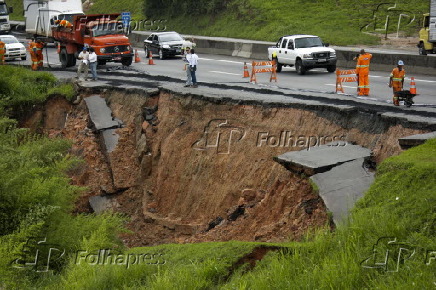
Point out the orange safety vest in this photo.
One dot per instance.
(2, 47)
(65, 23)
(362, 66)
(39, 46)
(397, 75)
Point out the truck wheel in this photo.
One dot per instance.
(71, 59)
(331, 68)
(301, 70)
(127, 61)
(422, 51)
(101, 62)
(63, 58)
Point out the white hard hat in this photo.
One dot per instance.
(400, 62)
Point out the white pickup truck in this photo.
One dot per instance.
(305, 52)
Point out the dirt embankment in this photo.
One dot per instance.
(189, 170)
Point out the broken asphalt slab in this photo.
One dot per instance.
(322, 158)
(415, 140)
(100, 113)
(342, 186)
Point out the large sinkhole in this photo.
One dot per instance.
(184, 168)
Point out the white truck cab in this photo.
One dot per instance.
(305, 52)
(40, 14)
(5, 25)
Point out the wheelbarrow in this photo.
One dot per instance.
(406, 96)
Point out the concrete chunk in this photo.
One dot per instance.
(100, 113)
(342, 186)
(415, 140)
(322, 158)
(110, 138)
(102, 203)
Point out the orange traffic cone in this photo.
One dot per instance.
(412, 86)
(246, 73)
(137, 58)
(150, 59)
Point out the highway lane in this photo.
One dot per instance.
(229, 70)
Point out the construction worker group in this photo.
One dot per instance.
(396, 80)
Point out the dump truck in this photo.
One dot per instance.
(103, 32)
(5, 25)
(40, 15)
(427, 34)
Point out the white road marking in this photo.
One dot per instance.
(226, 73)
(223, 60)
(342, 86)
(231, 61)
(424, 81)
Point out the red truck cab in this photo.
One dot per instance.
(103, 32)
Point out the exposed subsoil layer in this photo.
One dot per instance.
(189, 170)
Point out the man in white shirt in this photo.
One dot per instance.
(186, 58)
(93, 63)
(193, 62)
(84, 63)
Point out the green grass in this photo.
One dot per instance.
(193, 266)
(36, 195)
(20, 88)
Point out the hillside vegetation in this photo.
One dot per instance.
(340, 22)
(36, 198)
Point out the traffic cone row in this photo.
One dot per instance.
(137, 58)
(150, 59)
(412, 86)
(246, 73)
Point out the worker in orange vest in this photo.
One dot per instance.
(2, 52)
(396, 81)
(33, 50)
(362, 72)
(65, 23)
(39, 53)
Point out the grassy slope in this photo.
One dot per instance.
(400, 204)
(336, 21)
(36, 197)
